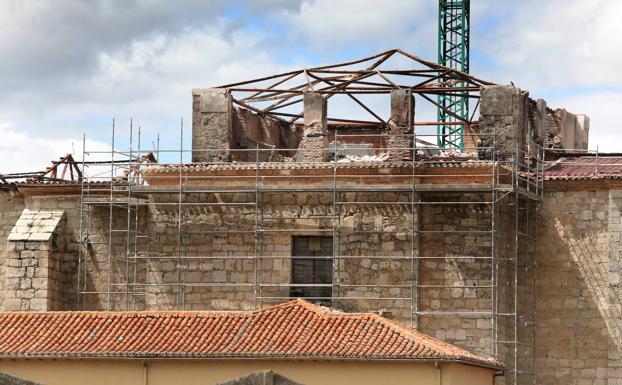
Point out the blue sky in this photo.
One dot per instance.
(69, 66)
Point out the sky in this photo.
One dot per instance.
(69, 67)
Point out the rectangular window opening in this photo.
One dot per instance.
(314, 274)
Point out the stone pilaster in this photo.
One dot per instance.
(211, 124)
(314, 143)
(503, 121)
(32, 274)
(541, 119)
(401, 125)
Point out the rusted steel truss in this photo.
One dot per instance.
(424, 78)
(63, 169)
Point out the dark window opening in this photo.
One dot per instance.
(314, 274)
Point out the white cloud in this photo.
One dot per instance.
(553, 44)
(72, 66)
(21, 151)
(62, 38)
(329, 25)
(563, 51)
(149, 79)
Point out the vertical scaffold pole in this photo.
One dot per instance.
(110, 243)
(179, 201)
(83, 245)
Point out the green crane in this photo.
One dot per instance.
(453, 52)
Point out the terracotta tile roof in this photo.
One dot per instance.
(585, 167)
(292, 330)
(203, 167)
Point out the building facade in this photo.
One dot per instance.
(508, 249)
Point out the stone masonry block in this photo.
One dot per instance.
(36, 225)
(39, 304)
(401, 125)
(211, 124)
(503, 121)
(402, 110)
(314, 144)
(315, 112)
(12, 304)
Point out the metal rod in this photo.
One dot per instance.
(178, 296)
(81, 244)
(129, 219)
(112, 176)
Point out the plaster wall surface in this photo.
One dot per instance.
(211, 372)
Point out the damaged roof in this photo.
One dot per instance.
(586, 167)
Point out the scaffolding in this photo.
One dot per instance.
(148, 230)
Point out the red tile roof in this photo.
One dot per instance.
(585, 167)
(293, 330)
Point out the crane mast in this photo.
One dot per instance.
(453, 52)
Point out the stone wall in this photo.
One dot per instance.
(503, 121)
(374, 271)
(578, 319)
(374, 242)
(41, 270)
(510, 121)
(401, 125)
(11, 206)
(614, 316)
(267, 377)
(458, 255)
(314, 142)
(212, 265)
(38, 272)
(578, 307)
(211, 124)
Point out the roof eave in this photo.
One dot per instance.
(161, 357)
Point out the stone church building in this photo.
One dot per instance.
(507, 245)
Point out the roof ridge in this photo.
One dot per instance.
(296, 301)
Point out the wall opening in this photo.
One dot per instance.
(312, 268)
